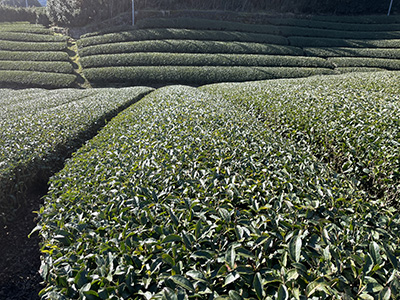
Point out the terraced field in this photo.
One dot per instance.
(32, 56)
(265, 189)
(201, 51)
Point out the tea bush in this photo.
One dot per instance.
(31, 37)
(388, 64)
(34, 55)
(26, 79)
(181, 34)
(298, 41)
(38, 66)
(205, 24)
(29, 46)
(188, 195)
(353, 52)
(162, 75)
(39, 129)
(350, 121)
(201, 59)
(189, 46)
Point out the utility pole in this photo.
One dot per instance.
(26, 3)
(133, 12)
(390, 7)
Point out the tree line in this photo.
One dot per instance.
(81, 12)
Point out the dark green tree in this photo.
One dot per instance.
(82, 12)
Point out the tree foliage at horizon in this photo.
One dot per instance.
(80, 13)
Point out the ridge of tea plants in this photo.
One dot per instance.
(186, 194)
(40, 128)
(32, 56)
(350, 121)
(136, 48)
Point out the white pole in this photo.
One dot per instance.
(390, 7)
(133, 12)
(26, 3)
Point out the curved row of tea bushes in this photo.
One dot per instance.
(201, 59)
(193, 75)
(39, 129)
(189, 46)
(349, 121)
(388, 64)
(352, 52)
(23, 27)
(38, 66)
(36, 46)
(31, 37)
(181, 34)
(305, 42)
(289, 31)
(186, 195)
(34, 55)
(27, 79)
(205, 24)
(363, 23)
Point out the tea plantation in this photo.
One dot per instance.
(32, 56)
(181, 50)
(219, 183)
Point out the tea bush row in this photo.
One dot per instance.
(24, 27)
(388, 64)
(189, 46)
(328, 23)
(31, 37)
(203, 59)
(186, 195)
(205, 24)
(38, 66)
(298, 41)
(34, 55)
(350, 121)
(354, 52)
(193, 75)
(39, 129)
(26, 79)
(181, 34)
(290, 31)
(29, 46)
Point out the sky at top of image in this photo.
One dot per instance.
(42, 2)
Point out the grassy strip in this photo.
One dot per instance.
(332, 24)
(38, 66)
(298, 41)
(350, 121)
(352, 52)
(185, 59)
(24, 27)
(25, 79)
(40, 128)
(37, 46)
(188, 195)
(181, 34)
(388, 64)
(190, 46)
(31, 37)
(205, 24)
(34, 55)
(337, 34)
(163, 75)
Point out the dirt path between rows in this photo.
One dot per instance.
(20, 255)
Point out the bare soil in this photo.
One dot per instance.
(20, 255)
